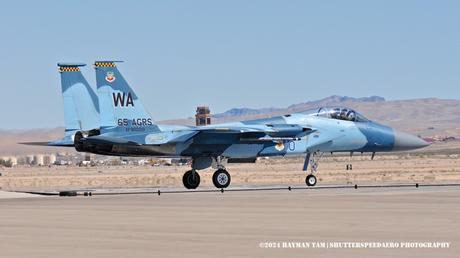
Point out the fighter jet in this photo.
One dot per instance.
(127, 129)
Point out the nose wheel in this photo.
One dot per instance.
(221, 178)
(191, 179)
(312, 159)
(310, 180)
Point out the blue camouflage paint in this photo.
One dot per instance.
(379, 137)
(128, 129)
(81, 107)
(122, 109)
(125, 128)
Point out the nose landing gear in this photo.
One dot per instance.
(310, 180)
(314, 159)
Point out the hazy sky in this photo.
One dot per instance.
(179, 54)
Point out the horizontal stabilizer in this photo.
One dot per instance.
(49, 144)
(35, 143)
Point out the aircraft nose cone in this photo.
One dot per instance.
(405, 141)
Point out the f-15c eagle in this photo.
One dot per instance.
(114, 122)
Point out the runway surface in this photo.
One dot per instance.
(210, 224)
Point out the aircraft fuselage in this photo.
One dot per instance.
(331, 135)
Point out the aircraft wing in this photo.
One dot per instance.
(214, 135)
(227, 134)
(258, 133)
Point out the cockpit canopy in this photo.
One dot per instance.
(340, 113)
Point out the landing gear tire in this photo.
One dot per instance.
(191, 179)
(310, 180)
(221, 178)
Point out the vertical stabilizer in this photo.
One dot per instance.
(81, 106)
(120, 107)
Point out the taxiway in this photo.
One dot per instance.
(233, 224)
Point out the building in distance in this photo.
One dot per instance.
(203, 116)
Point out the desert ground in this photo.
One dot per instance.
(439, 163)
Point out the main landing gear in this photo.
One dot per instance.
(191, 179)
(221, 178)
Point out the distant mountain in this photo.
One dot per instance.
(9, 141)
(236, 112)
(430, 116)
(329, 101)
(335, 101)
(427, 117)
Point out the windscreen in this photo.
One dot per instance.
(339, 113)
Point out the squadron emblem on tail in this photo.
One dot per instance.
(110, 77)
